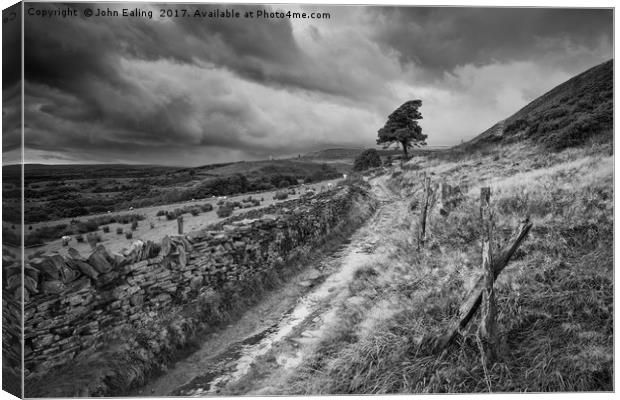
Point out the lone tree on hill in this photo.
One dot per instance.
(402, 127)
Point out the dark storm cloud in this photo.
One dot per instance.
(11, 118)
(11, 46)
(172, 90)
(75, 73)
(439, 39)
(57, 121)
(61, 54)
(11, 77)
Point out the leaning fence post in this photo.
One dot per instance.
(445, 192)
(180, 224)
(488, 328)
(427, 189)
(474, 298)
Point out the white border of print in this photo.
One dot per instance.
(480, 3)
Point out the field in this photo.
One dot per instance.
(78, 200)
(154, 227)
(385, 299)
(555, 299)
(69, 191)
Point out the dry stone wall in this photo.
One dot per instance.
(11, 320)
(76, 306)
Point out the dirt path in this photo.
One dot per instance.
(255, 354)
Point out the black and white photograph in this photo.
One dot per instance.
(227, 199)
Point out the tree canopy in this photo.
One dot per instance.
(402, 127)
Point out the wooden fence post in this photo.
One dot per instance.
(474, 298)
(464, 188)
(447, 202)
(446, 192)
(488, 326)
(180, 224)
(427, 189)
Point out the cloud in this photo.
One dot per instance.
(11, 46)
(442, 38)
(179, 106)
(472, 99)
(257, 50)
(11, 123)
(11, 78)
(192, 91)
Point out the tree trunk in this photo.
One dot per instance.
(405, 150)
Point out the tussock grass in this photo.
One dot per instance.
(555, 298)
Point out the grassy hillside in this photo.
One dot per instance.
(555, 298)
(572, 113)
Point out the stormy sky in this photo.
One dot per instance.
(192, 91)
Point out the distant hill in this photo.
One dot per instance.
(259, 169)
(568, 115)
(43, 172)
(339, 154)
(333, 154)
